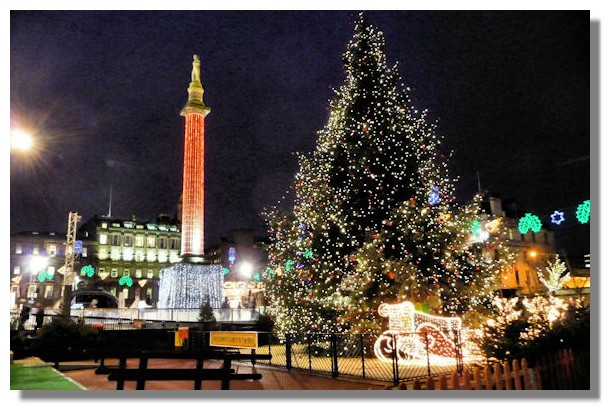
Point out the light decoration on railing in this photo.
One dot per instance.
(412, 335)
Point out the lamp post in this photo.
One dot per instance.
(37, 264)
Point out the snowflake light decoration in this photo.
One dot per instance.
(557, 217)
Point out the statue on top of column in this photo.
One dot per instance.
(196, 69)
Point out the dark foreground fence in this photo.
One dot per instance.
(402, 357)
(391, 358)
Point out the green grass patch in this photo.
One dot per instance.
(25, 376)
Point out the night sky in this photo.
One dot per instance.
(101, 91)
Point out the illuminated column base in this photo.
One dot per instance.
(190, 285)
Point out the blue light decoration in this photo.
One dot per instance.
(528, 222)
(557, 217)
(78, 247)
(231, 254)
(434, 196)
(225, 271)
(126, 280)
(583, 212)
(88, 271)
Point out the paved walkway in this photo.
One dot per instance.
(273, 378)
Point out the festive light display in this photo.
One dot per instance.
(529, 221)
(412, 333)
(557, 275)
(190, 285)
(125, 280)
(231, 255)
(434, 196)
(43, 276)
(88, 271)
(193, 191)
(366, 208)
(557, 217)
(583, 212)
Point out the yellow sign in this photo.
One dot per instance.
(239, 339)
(178, 340)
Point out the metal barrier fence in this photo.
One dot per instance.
(352, 355)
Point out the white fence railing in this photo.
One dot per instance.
(226, 315)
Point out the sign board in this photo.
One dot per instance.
(239, 339)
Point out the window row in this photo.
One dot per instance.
(138, 241)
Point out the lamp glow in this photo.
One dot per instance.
(21, 140)
(245, 269)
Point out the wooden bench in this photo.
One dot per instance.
(120, 374)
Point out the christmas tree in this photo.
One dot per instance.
(374, 219)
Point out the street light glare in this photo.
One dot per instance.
(20, 140)
(246, 269)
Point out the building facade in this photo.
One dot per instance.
(36, 261)
(125, 256)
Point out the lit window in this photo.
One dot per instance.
(114, 272)
(35, 250)
(16, 270)
(138, 273)
(51, 270)
(32, 291)
(126, 272)
(104, 225)
(18, 249)
(139, 241)
(150, 273)
(84, 252)
(115, 240)
(174, 244)
(162, 243)
(127, 240)
(48, 291)
(101, 271)
(52, 250)
(149, 292)
(103, 239)
(151, 241)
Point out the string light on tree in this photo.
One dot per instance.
(374, 200)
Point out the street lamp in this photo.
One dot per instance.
(245, 269)
(37, 264)
(20, 140)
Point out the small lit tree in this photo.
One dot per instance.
(557, 275)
